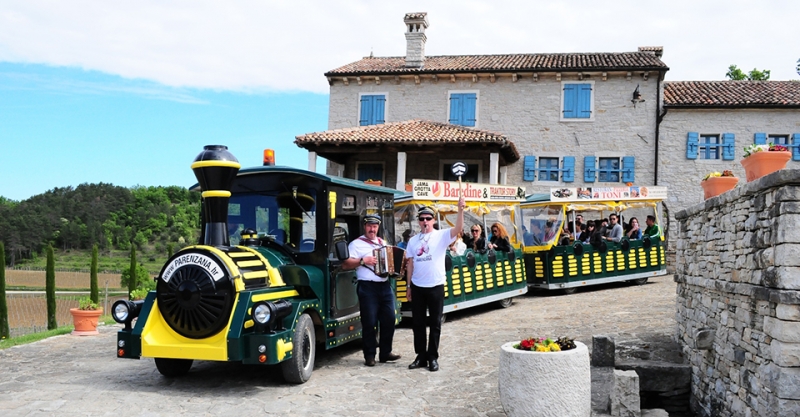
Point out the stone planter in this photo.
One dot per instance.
(378, 183)
(765, 162)
(85, 321)
(541, 384)
(715, 186)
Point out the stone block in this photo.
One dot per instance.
(787, 230)
(787, 254)
(785, 354)
(704, 339)
(603, 351)
(625, 400)
(657, 376)
(783, 382)
(785, 331)
(788, 312)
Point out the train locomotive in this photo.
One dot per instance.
(265, 284)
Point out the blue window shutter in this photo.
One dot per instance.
(584, 105)
(529, 169)
(795, 146)
(455, 109)
(569, 169)
(469, 103)
(692, 142)
(366, 110)
(760, 139)
(628, 165)
(728, 143)
(589, 169)
(380, 109)
(570, 101)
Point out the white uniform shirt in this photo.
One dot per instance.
(360, 248)
(428, 252)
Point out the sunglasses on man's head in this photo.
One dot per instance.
(425, 219)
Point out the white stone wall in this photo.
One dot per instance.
(528, 112)
(738, 305)
(682, 176)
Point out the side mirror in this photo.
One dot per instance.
(341, 250)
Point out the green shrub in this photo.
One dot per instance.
(50, 289)
(86, 303)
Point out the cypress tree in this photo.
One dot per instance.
(50, 289)
(93, 277)
(132, 280)
(5, 333)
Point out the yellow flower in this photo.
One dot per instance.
(554, 347)
(542, 348)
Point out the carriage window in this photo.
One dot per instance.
(542, 224)
(286, 217)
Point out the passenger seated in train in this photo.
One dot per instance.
(633, 232)
(499, 241)
(475, 240)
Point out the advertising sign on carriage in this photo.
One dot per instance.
(448, 191)
(608, 193)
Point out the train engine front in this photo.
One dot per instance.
(218, 302)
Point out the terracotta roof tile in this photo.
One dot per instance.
(409, 132)
(732, 94)
(646, 60)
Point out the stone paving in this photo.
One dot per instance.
(70, 375)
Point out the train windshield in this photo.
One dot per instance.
(287, 217)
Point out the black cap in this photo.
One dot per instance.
(372, 219)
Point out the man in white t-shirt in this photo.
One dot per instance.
(427, 252)
(375, 295)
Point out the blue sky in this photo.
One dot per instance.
(129, 92)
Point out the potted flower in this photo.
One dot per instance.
(409, 187)
(760, 160)
(85, 317)
(717, 183)
(545, 377)
(370, 181)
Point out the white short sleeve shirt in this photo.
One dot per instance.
(428, 252)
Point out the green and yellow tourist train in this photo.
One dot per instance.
(558, 258)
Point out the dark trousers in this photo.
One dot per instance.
(430, 300)
(377, 304)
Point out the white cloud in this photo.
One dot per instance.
(259, 45)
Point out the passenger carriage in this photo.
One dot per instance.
(555, 261)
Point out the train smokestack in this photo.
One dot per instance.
(215, 169)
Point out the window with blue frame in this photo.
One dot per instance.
(549, 168)
(463, 109)
(711, 146)
(577, 101)
(791, 141)
(373, 109)
(609, 169)
(779, 140)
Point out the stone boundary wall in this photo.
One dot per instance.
(738, 304)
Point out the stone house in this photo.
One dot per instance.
(538, 120)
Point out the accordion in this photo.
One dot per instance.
(388, 257)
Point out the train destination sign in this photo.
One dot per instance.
(449, 191)
(638, 192)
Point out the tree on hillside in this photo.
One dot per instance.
(735, 74)
(5, 332)
(132, 282)
(50, 289)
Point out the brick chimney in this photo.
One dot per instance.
(416, 23)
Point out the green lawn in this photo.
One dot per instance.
(35, 337)
(110, 261)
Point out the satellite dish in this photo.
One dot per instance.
(459, 169)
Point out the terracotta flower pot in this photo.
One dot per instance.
(378, 183)
(409, 188)
(85, 321)
(765, 162)
(715, 186)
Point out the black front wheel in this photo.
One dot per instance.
(640, 281)
(505, 303)
(298, 368)
(171, 368)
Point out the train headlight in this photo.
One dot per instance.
(124, 311)
(262, 313)
(267, 315)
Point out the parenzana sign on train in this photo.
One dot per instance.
(448, 190)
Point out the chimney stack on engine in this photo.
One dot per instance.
(215, 169)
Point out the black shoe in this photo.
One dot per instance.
(369, 362)
(391, 358)
(434, 366)
(418, 364)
